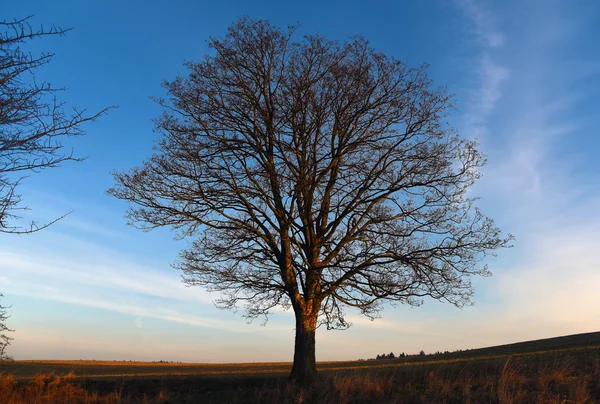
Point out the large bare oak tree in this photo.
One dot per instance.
(315, 175)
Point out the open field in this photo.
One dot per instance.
(557, 370)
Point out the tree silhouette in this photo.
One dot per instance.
(31, 128)
(4, 338)
(313, 175)
(32, 122)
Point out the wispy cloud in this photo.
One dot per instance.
(79, 273)
(538, 181)
(99, 271)
(533, 167)
(484, 27)
(490, 74)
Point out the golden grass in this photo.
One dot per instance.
(513, 383)
(50, 388)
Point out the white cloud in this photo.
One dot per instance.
(492, 75)
(109, 275)
(484, 24)
(73, 271)
(525, 107)
(489, 74)
(550, 287)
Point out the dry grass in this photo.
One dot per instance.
(50, 388)
(562, 376)
(514, 382)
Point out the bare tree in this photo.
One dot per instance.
(4, 338)
(32, 122)
(32, 126)
(315, 175)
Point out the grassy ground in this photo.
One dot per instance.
(543, 372)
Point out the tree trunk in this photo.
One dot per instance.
(304, 369)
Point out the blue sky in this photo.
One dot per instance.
(526, 75)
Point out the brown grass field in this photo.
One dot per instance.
(556, 370)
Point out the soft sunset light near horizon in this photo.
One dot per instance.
(527, 81)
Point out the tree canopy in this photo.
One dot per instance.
(315, 175)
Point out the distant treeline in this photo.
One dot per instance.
(391, 355)
(548, 344)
